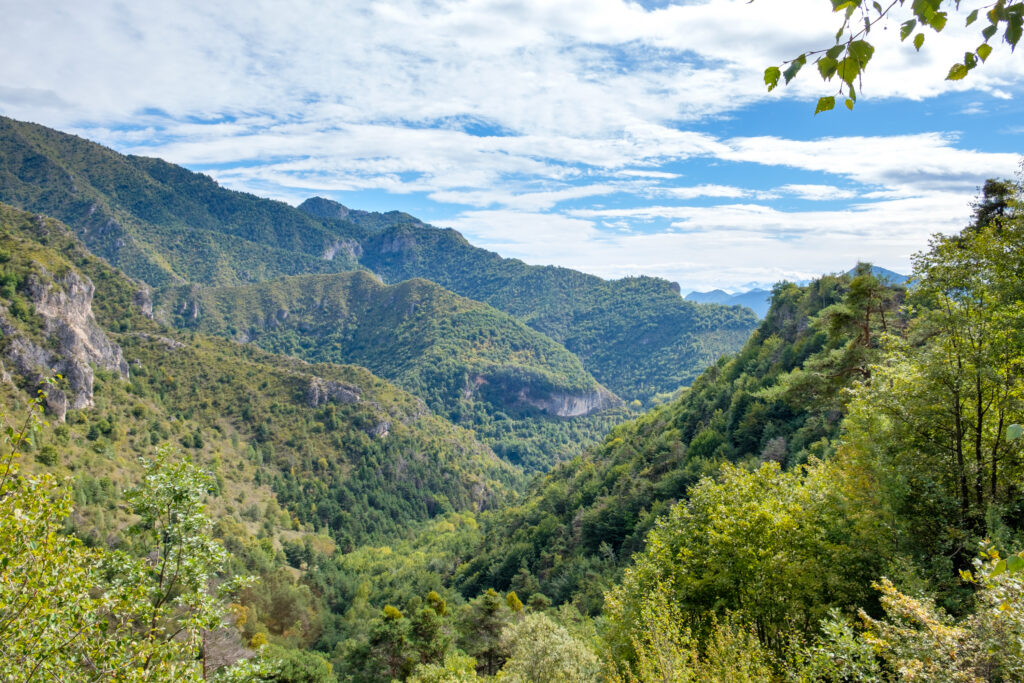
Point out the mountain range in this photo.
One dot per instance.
(541, 342)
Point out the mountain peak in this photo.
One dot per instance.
(321, 207)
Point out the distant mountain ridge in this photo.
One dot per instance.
(637, 335)
(759, 300)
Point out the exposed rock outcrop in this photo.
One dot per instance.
(573, 405)
(348, 247)
(380, 430)
(76, 342)
(397, 243)
(321, 391)
(143, 299)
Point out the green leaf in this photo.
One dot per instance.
(1014, 432)
(835, 51)
(794, 68)
(970, 61)
(918, 41)
(771, 77)
(849, 104)
(988, 32)
(938, 21)
(957, 72)
(906, 28)
(825, 104)
(827, 67)
(999, 568)
(861, 50)
(971, 18)
(1015, 25)
(877, 6)
(848, 69)
(1014, 563)
(984, 50)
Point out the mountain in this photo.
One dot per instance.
(779, 399)
(757, 300)
(165, 225)
(637, 336)
(336, 447)
(472, 363)
(885, 274)
(156, 221)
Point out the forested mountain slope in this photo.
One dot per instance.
(637, 336)
(344, 451)
(156, 221)
(164, 225)
(473, 364)
(779, 399)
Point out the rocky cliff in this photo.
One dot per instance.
(573, 405)
(71, 342)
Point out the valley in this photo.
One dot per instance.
(405, 457)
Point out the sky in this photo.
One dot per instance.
(613, 137)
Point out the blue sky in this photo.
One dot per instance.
(614, 137)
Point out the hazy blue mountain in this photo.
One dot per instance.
(757, 300)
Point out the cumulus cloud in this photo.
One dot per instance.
(517, 114)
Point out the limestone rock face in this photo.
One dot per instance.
(397, 244)
(381, 430)
(76, 342)
(565, 404)
(350, 248)
(321, 391)
(143, 298)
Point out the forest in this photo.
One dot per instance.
(293, 476)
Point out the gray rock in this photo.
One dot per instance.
(321, 391)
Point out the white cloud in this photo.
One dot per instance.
(512, 109)
(817, 192)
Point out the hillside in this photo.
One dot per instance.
(156, 221)
(165, 225)
(473, 364)
(637, 336)
(779, 399)
(341, 450)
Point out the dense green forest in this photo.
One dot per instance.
(521, 392)
(840, 500)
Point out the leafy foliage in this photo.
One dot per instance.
(847, 60)
(68, 612)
